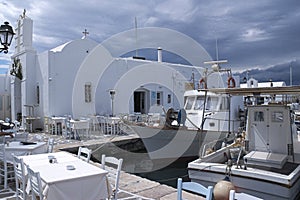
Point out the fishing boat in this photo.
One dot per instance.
(263, 160)
(205, 117)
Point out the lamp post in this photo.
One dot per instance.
(6, 36)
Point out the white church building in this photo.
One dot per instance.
(81, 78)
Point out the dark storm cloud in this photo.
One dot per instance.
(250, 34)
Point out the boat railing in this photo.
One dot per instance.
(218, 144)
(213, 146)
(147, 119)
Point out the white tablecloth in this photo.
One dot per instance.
(18, 149)
(85, 182)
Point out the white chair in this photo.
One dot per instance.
(80, 127)
(113, 166)
(94, 123)
(6, 168)
(84, 154)
(51, 126)
(35, 184)
(69, 132)
(241, 196)
(193, 187)
(20, 178)
(50, 145)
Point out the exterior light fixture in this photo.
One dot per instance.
(112, 96)
(6, 36)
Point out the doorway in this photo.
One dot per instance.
(140, 102)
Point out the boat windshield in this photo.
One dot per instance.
(212, 103)
(199, 103)
(189, 102)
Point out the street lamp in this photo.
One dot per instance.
(6, 36)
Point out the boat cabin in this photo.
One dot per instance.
(269, 135)
(264, 160)
(216, 108)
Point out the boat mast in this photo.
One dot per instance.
(203, 112)
(291, 75)
(217, 50)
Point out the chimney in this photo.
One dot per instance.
(159, 54)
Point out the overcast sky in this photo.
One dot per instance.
(250, 34)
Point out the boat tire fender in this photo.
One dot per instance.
(231, 82)
(202, 84)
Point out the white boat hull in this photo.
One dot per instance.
(165, 144)
(260, 183)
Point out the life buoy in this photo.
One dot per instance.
(231, 82)
(202, 84)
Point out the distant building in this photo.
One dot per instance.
(253, 83)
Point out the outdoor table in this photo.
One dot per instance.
(19, 148)
(69, 177)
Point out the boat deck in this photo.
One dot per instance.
(287, 168)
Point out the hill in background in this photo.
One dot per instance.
(279, 72)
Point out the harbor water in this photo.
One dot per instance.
(136, 161)
(169, 174)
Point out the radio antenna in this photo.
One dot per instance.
(136, 40)
(217, 50)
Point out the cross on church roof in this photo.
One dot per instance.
(85, 32)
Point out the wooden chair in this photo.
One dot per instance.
(20, 178)
(241, 196)
(35, 184)
(6, 168)
(193, 187)
(113, 167)
(84, 154)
